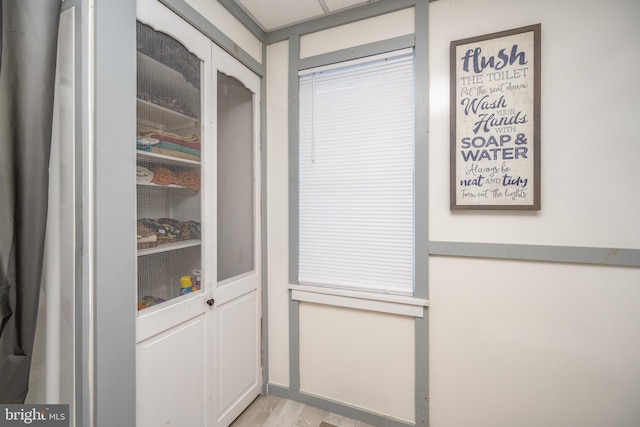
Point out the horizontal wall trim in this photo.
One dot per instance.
(357, 52)
(371, 301)
(563, 254)
(335, 407)
(199, 22)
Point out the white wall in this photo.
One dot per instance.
(590, 64)
(533, 344)
(361, 358)
(530, 343)
(278, 211)
(370, 30)
(511, 342)
(346, 355)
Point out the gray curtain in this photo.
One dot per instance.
(29, 35)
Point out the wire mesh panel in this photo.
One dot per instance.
(236, 179)
(168, 175)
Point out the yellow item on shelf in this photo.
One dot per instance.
(185, 285)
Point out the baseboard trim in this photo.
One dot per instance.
(336, 407)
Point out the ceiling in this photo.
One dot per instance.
(274, 14)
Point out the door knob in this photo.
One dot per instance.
(211, 301)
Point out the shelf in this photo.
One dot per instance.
(169, 103)
(154, 113)
(170, 247)
(162, 159)
(172, 186)
(157, 77)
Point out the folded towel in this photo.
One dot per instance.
(142, 147)
(143, 174)
(171, 153)
(189, 179)
(191, 141)
(148, 141)
(178, 148)
(163, 176)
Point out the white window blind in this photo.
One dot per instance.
(356, 175)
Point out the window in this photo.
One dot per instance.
(356, 173)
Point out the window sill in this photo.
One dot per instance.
(394, 304)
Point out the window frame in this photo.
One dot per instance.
(344, 295)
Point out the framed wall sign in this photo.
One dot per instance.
(495, 121)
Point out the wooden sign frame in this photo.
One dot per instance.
(495, 121)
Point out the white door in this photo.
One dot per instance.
(198, 355)
(174, 136)
(237, 311)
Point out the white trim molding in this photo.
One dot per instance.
(384, 303)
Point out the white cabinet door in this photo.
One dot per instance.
(236, 319)
(199, 353)
(176, 198)
(170, 377)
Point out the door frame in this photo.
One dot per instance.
(105, 52)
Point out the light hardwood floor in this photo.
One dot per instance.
(271, 411)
